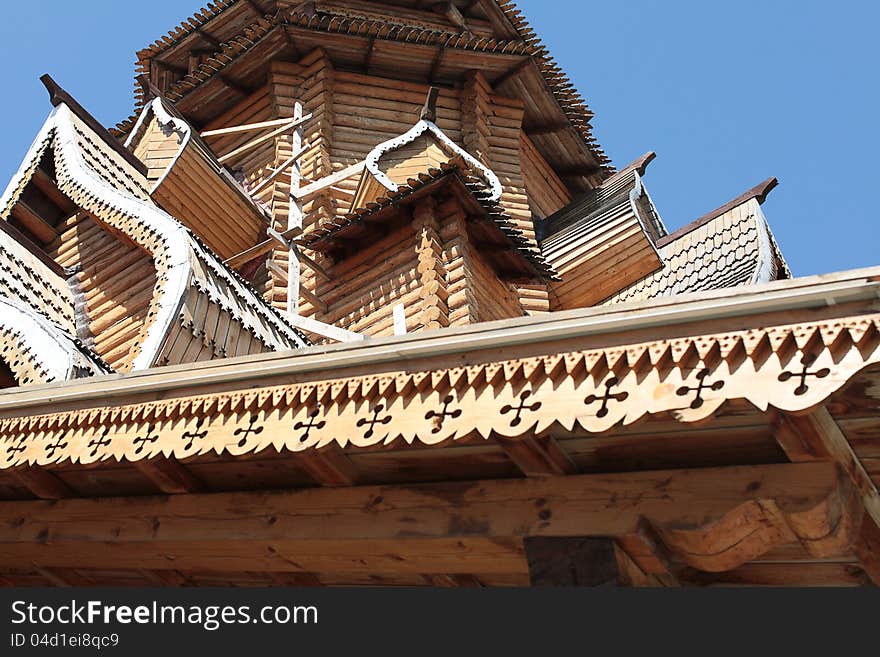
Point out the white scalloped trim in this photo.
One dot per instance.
(420, 128)
(178, 245)
(54, 349)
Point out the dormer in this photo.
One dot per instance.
(96, 277)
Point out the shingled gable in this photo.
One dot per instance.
(196, 299)
(729, 247)
(38, 351)
(187, 180)
(603, 240)
(488, 226)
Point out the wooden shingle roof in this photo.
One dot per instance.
(729, 247)
(230, 28)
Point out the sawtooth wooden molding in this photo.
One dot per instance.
(790, 368)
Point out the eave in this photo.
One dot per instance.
(817, 298)
(671, 499)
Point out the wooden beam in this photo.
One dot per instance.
(368, 59)
(34, 249)
(308, 191)
(34, 223)
(169, 476)
(48, 186)
(649, 555)
(545, 128)
(800, 446)
(821, 427)
(250, 127)
(867, 549)
(512, 72)
(42, 483)
(312, 299)
(824, 438)
(311, 264)
(450, 527)
(263, 247)
(257, 141)
(453, 15)
(277, 172)
(538, 456)
(329, 467)
(324, 330)
(214, 41)
(436, 64)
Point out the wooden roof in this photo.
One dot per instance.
(521, 65)
(729, 247)
(506, 247)
(92, 174)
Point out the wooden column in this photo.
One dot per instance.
(432, 272)
(295, 219)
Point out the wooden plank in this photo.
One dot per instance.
(277, 172)
(329, 467)
(254, 143)
(247, 127)
(34, 223)
(263, 247)
(308, 191)
(824, 427)
(325, 330)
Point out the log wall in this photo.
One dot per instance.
(117, 281)
(352, 113)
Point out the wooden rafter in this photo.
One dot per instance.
(305, 193)
(263, 247)
(256, 142)
(248, 127)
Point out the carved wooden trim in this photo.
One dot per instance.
(790, 368)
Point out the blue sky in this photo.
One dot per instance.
(727, 94)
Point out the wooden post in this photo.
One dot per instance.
(295, 218)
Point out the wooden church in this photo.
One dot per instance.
(354, 297)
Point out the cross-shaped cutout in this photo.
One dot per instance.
(192, 436)
(607, 397)
(440, 416)
(16, 447)
(804, 374)
(99, 442)
(311, 424)
(684, 391)
(372, 422)
(522, 406)
(141, 441)
(246, 433)
(52, 447)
